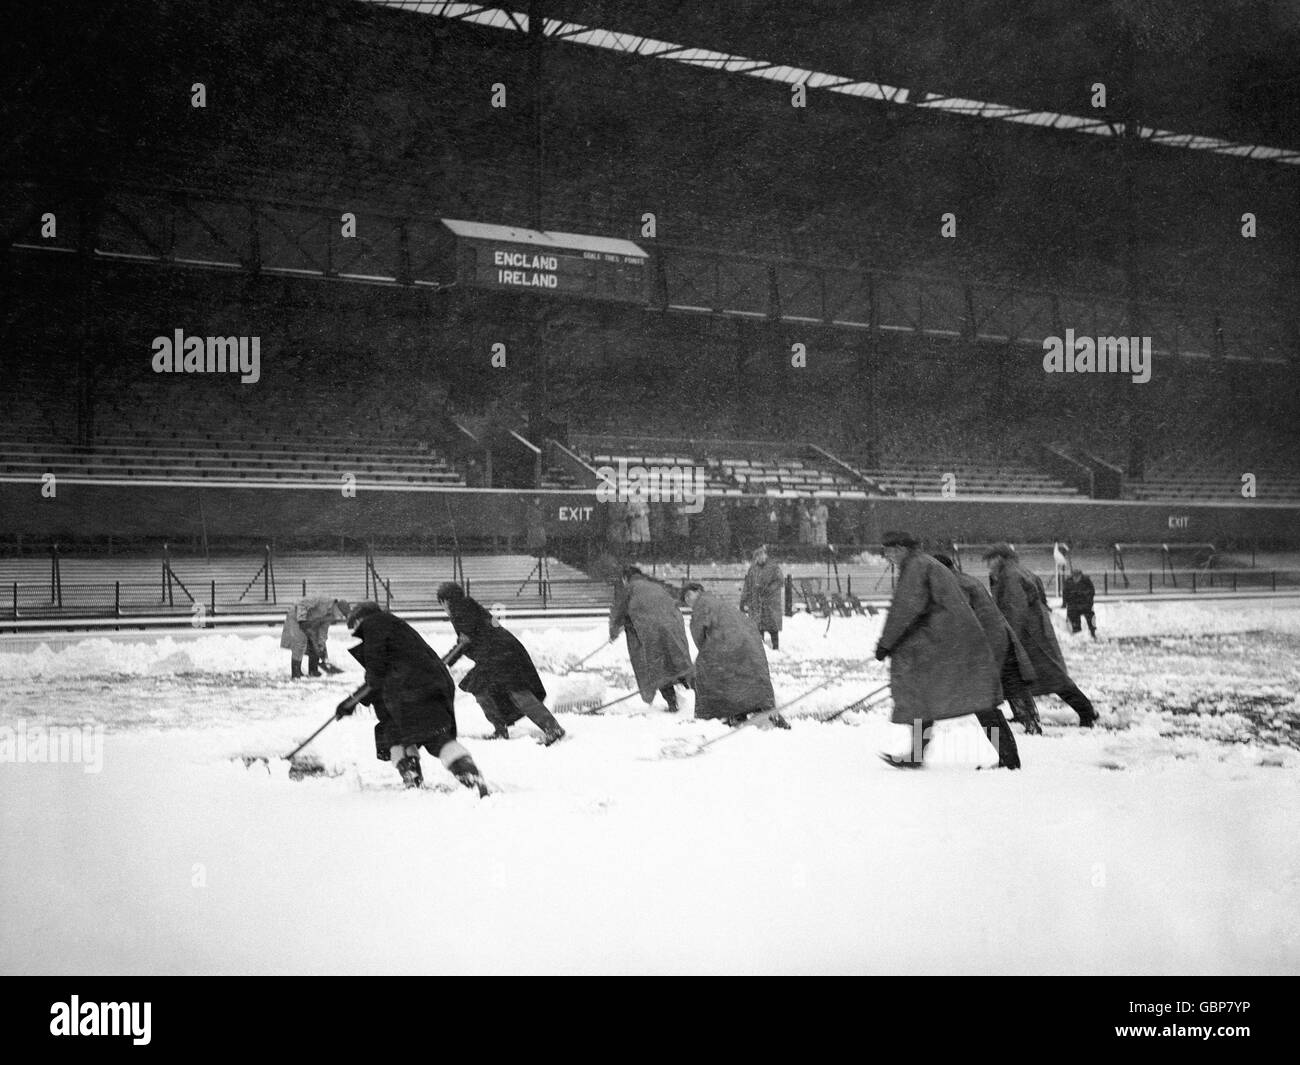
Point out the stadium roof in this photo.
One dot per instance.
(547, 239)
(1203, 76)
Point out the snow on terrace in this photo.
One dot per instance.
(1169, 843)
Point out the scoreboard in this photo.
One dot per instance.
(505, 258)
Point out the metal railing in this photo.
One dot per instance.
(206, 600)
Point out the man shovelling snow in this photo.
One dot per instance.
(306, 631)
(646, 610)
(504, 680)
(941, 665)
(413, 696)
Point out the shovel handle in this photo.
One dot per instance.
(869, 697)
(637, 691)
(328, 722)
(758, 719)
(585, 659)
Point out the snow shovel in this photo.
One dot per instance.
(690, 748)
(306, 767)
(583, 661)
(591, 706)
(297, 770)
(861, 704)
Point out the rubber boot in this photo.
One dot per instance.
(409, 767)
(670, 697)
(464, 770)
(535, 710)
(999, 732)
(313, 664)
(295, 669)
(1080, 704)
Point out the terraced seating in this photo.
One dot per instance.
(1190, 466)
(925, 477)
(1223, 485)
(714, 482)
(205, 457)
(734, 475)
(789, 478)
(555, 478)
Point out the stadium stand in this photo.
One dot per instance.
(733, 467)
(268, 459)
(384, 115)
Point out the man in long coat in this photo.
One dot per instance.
(306, 630)
(638, 524)
(805, 524)
(647, 612)
(749, 525)
(1008, 654)
(1022, 599)
(616, 526)
(940, 665)
(535, 529)
(1078, 593)
(504, 680)
(763, 596)
(413, 696)
(715, 530)
(820, 518)
(731, 677)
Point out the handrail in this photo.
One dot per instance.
(1068, 469)
(870, 482)
(574, 463)
(527, 443)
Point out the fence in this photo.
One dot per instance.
(202, 602)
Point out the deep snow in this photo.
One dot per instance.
(1168, 842)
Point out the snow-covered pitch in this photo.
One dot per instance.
(1168, 841)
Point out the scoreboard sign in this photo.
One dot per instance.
(505, 258)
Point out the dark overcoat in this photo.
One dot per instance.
(656, 633)
(996, 630)
(1078, 593)
(940, 665)
(763, 595)
(714, 530)
(501, 664)
(411, 690)
(1020, 596)
(731, 674)
(535, 530)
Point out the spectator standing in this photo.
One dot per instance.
(763, 596)
(820, 516)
